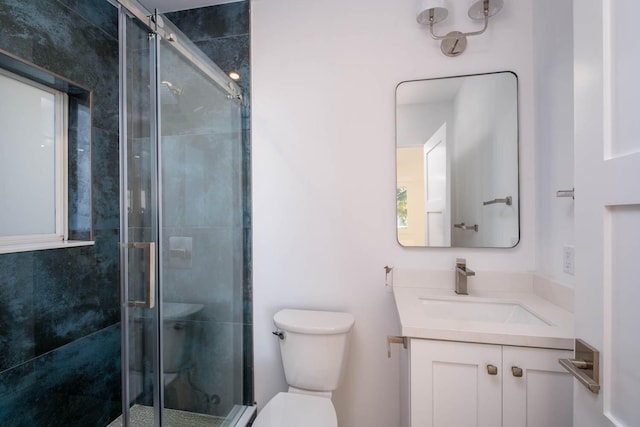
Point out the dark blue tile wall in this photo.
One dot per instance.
(223, 33)
(59, 313)
(67, 387)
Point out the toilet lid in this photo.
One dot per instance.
(296, 410)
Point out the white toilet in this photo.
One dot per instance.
(314, 346)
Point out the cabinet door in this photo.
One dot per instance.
(451, 385)
(543, 395)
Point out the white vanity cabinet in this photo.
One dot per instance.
(543, 395)
(467, 384)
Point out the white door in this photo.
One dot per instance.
(607, 206)
(437, 183)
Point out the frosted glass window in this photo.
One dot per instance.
(32, 161)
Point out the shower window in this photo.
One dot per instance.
(45, 159)
(33, 146)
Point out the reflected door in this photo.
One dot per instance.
(437, 184)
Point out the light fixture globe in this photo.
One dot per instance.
(476, 8)
(431, 12)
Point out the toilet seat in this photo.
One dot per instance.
(296, 410)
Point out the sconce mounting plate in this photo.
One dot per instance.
(454, 43)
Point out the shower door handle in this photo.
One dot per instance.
(150, 273)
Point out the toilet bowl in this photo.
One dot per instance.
(297, 410)
(314, 347)
(178, 327)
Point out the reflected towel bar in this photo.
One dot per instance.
(466, 227)
(566, 193)
(507, 201)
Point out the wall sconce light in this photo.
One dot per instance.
(454, 43)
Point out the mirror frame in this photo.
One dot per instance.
(516, 201)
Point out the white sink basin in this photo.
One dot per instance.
(480, 311)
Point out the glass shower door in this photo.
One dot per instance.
(139, 224)
(184, 303)
(201, 241)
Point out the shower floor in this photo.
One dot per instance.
(142, 416)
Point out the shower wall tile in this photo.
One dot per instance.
(231, 54)
(16, 309)
(58, 40)
(231, 19)
(71, 299)
(97, 12)
(208, 192)
(79, 170)
(219, 363)
(106, 180)
(215, 278)
(59, 343)
(223, 33)
(75, 385)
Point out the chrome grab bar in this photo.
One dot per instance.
(507, 201)
(463, 226)
(150, 270)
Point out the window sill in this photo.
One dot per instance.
(27, 247)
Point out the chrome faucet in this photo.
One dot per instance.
(462, 272)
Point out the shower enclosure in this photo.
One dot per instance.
(185, 337)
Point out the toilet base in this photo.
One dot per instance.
(295, 410)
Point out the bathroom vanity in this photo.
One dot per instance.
(489, 358)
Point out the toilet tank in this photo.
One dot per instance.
(314, 347)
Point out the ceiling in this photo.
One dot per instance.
(173, 5)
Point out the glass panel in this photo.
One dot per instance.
(141, 225)
(201, 241)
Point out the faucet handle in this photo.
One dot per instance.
(461, 262)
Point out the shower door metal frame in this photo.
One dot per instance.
(154, 24)
(153, 266)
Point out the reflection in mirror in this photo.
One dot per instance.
(457, 161)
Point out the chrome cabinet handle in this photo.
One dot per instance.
(150, 270)
(492, 370)
(517, 372)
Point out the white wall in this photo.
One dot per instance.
(553, 59)
(323, 83)
(485, 161)
(418, 122)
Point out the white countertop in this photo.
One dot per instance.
(416, 323)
